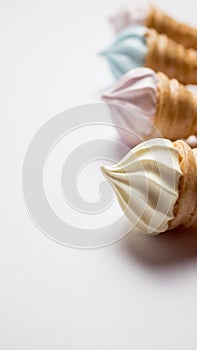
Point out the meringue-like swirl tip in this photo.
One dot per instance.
(105, 171)
(146, 183)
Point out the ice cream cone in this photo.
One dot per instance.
(176, 111)
(170, 107)
(185, 209)
(171, 58)
(156, 185)
(179, 32)
(139, 46)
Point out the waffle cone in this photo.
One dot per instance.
(179, 32)
(185, 209)
(166, 56)
(176, 113)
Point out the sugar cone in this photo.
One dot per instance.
(176, 113)
(179, 32)
(185, 209)
(166, 56)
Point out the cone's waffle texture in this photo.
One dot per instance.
(179, 32)
(171, 58)
(176, 113)
(185, 210)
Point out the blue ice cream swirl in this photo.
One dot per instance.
(128, 50)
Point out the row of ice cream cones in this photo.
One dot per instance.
(155, 57)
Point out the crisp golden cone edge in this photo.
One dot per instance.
(179, 32)
(167, 56)
(185, 209)
(176, 113)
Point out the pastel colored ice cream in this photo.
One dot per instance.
(128, 51)
(137, 88)
(146, 183)
(130, 15)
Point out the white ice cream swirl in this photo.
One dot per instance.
(146, 184)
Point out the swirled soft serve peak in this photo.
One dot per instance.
(156, 185)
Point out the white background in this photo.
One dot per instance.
(140, 293)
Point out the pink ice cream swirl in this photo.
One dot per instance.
(130, 15)
(135, 91)
(137, 88)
